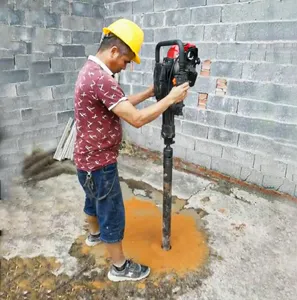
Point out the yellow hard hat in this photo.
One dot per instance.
(129, 32)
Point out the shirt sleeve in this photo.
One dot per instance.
(109, 91)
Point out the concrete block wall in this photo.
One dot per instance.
(43, 45)
(240, 118)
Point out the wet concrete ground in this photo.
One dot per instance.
(252, 241)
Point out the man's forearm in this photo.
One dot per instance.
(152, 112)
(138, 98)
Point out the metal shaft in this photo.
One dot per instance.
(167, 196)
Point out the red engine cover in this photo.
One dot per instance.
(174, 50)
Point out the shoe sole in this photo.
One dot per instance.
(118, 278)
(91, 244)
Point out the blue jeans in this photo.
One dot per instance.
(104, 199)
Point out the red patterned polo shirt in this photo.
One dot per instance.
(98, 129)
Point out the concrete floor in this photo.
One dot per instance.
(252, 237)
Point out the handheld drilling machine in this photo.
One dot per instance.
(178, 67)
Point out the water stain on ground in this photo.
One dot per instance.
(173, 272)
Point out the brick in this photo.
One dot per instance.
(13, 76)
(208, 147)
(272, 182)
(257, 52)
(79, 62)
(132, 77)
(34, 18)
(146, 65)
(251, 176)
(40, 67)
(11, 158)
(177, 17)
(233, 51)
(181, 140)
(27, 114)
(16, 17)
(267, 31)
(204, 85)
(226, 69)
(6, 64)
(147, 79)
(82, 37)
(208, 117)
(225, 167)
(72, 22)
(224, 104)
(195, 130)
(221, 33)
(81, 9)
(52, 20)
(191, 32)
(202, 101)
(270, 166)
(285, 75)
(8, 90)
(5, 53)
(179, 151)
(10, 117)
(205, 15)
(122, 8)
(91, 49)
(70, 77)
(279, 56)
(238, 156)
(287, 187)
(8, 144)
(4, 15)
(99, 11)
(263, 127)
(148, 50)
(142, 6)
(91, 24)
(207, 50)
(29, 5)
(259, 11)
(257, 109)
(291, 172)
(190, 113)
(64, 116)
(69, 104)
(191, 3)
(154, 20)
(163, 5)
(266, 91)
(51, 36)
(14, 103)
(63, 91)
(73, 51)
(266, 146)
(260, 71)
(59, 64)
(198, 158)
(222, 135)
(153, 138)
(48, 79)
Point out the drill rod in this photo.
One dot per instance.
(167, 196)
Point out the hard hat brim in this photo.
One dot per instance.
(136, 58)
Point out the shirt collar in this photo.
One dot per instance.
(100, 63)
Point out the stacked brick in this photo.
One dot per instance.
(43, 45)
(240, 118)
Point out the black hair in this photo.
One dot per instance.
(111, 40)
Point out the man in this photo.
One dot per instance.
(99, 105)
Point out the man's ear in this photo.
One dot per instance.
(114, 51)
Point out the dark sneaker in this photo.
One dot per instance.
(132, 271)
(93, 240)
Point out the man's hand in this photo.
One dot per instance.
(150, 91)
(179, 93)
